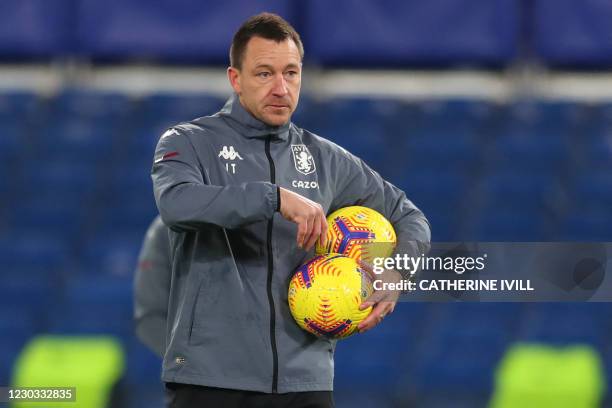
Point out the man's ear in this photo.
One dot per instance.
(233, 75)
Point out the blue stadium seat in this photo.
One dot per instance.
(308, 113)
(458, 363)
(565, 324)
(544, 118)
(595, 313)
(19, 321)
(463, 399)
(374, 372)
(26, 292)
(99, 289)
(143, 366)
(180, 107)
(360, 126)
(10, 346)
(86, 319)
(427, 149)
(434, 191)
(112, 255)
(132, 177)
(598, 152)
(517, 204)
(448, 132)
(445, 225)
(12, 141)
(530, 151)
(60, 177)
(386, 350)
(463, 115)
(92, 105)
(48, 217)
(124, 29)
(536, 136)
(436, 188)
(519, 190)
(509, 226)
(129, 204)
(592, 191)
(601, 120)
(31, 249)
(88, 298)
(573, 34)
(18, 105)
(35, 29)
(132, 215)
(398, 32)
(502, 316)
(78, 139)
(590, 226)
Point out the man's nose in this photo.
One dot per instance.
(280, 86)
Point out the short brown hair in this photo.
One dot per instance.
(266, 25)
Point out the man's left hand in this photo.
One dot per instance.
(382, 301)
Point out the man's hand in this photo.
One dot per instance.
(382, 301)
(308, 215)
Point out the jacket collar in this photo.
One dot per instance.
(249, 126)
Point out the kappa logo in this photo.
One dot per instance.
(229, 153)
(303, 160)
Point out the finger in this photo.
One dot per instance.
(387, 306)
(302, 229)
(324, 228)
(365, 305)
(375, 317)
(372, 319)
(316, 231)
(308, 234)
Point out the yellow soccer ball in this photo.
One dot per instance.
(325, 294)
(360, 233)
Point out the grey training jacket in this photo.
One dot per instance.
(152, 287)
(216, 186)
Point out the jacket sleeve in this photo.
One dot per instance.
(185, 198)
(152, 288)
(358, 184)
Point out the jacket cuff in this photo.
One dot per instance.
(278, 199)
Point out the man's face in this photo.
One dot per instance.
(269, 81)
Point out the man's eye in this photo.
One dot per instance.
(292, 73)
(263, 74)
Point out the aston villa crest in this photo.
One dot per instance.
(303, 160)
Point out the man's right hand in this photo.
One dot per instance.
(308, 215)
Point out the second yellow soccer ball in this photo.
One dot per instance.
(360, 233)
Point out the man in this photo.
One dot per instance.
(152, 288)
(245, 193)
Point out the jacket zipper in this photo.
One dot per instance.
(270, 271)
